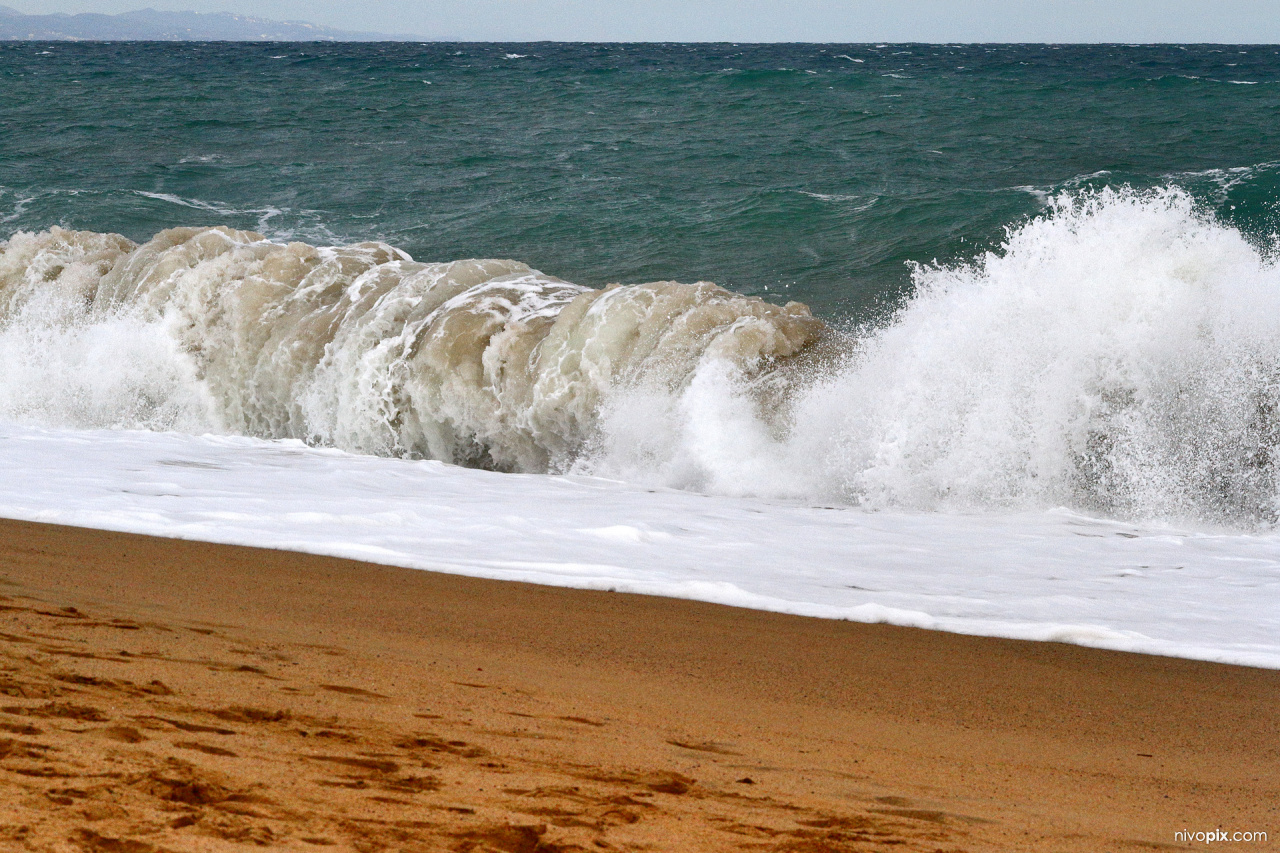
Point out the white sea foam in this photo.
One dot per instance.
(1120, 354)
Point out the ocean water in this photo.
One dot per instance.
(974, 308)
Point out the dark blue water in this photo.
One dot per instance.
(816, 172)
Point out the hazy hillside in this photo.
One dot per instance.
(150, 25)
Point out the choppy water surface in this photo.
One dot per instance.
(822, 169)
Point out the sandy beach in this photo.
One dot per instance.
(170, 695)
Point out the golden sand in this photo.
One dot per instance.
(160, 695)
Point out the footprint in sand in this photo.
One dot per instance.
(352, 691)
(123, 734)
(205, 748)
(62, 710)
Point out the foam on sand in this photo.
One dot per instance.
(1054, 575)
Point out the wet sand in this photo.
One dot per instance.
(167, 695)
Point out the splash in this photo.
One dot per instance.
(1119, 355)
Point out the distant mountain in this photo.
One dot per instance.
(150, 25)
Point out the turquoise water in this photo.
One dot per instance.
(793, 171)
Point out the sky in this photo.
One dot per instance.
(1233, 21)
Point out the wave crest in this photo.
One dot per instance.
(483, 362)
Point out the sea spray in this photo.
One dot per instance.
(1119, 354)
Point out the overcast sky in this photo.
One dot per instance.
(1235, 21)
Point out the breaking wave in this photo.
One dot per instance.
(1119, 354)
(479, 362)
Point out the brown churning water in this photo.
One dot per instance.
(481, 362)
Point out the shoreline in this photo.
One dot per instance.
(472, 714)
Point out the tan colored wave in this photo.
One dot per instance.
(484, 362)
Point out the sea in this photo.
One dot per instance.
(977, 338)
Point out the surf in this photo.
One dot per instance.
(1118, 354)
